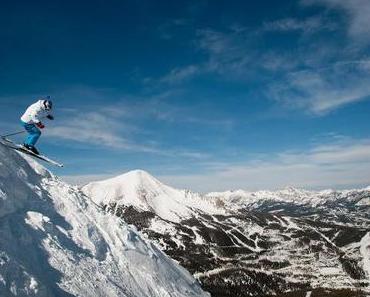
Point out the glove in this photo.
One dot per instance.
(50, 117)
(40, 125)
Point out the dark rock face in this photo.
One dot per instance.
(268, 248)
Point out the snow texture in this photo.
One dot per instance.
(55, 241)
(365, 252)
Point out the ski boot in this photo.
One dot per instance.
(31, 148)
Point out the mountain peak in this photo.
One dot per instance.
(130, 186)
(138, 172)
(141, 190)
(137, 176)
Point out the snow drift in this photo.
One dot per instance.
(54, 241)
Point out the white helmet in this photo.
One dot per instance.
(48, 105)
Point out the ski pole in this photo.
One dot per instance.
(11, 134)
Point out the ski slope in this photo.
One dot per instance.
(54, 241)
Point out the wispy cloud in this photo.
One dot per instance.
(344, 164)
(317, 73)
(229, 52)
(163, 107)
(97, 128)
(181, 74)
(358, 12)
(124, 124)
(235, 53)
(100, 129)
(323, 90)
(309, 25)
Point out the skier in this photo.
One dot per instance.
(31, 121)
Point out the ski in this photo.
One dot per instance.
(10, 144)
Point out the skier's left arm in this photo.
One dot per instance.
(49, 116)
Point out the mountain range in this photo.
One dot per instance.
(134, 236)
(290, 242)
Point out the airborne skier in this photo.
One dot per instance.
(31, 121)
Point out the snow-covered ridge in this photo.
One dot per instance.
(139, 189)
(54, 241)
(240, 198)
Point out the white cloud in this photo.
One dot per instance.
(308, 25)
(116, 126)
(323, 90)
(339, 165)
(334, 154)
(229, 53)
(96, 128)
(358, 12)
(180, 74)
(102, 129)
(334, 76)
(236, 52)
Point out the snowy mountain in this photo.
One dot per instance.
(240, 243)
(240, 198)
(54, 241)
(144, 192)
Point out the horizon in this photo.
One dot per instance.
(204, 95)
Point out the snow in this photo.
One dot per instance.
(330, 270)
(33, 286)
(364, 202)
(139, 189)
(2, 280)
(291, 224)
(365, 252)
(240, 198)
(198, 238)
(55, 241)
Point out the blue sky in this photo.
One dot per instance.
(206, 95)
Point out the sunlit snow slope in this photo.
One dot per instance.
(54, 241)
